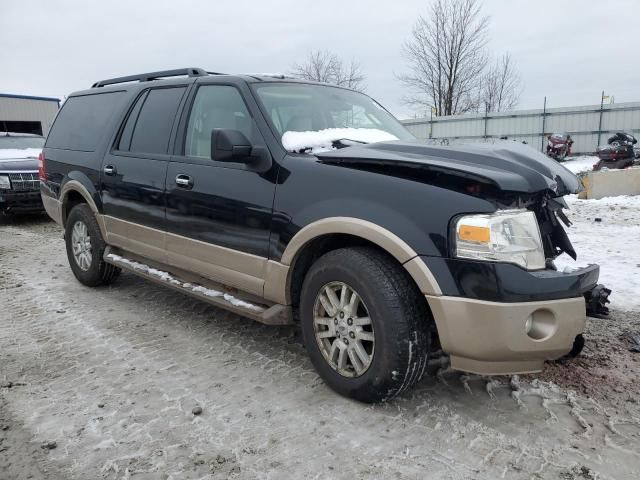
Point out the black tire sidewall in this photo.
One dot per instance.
(392, 333)
(84, 214)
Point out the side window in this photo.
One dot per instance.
(215, 106)
(124, 143)
(83, 120)
(148, 127)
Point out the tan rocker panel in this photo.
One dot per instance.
(251, 273)
(231, 267)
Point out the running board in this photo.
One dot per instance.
(218, 296)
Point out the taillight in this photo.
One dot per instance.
(41, 171)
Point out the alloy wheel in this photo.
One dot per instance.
(343, 329)
(81, 245)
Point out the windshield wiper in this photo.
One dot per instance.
(346, 142)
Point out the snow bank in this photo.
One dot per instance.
(606, 232)
(17, 153)
(581, 164)
(321, 140)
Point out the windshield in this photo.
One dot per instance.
(335, 113)
(21, 142)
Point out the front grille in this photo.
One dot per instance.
(24, 182)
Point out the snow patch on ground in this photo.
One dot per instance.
(167, 277)
(322, 140)
(606, 232)
(581, 164)
(19, 153)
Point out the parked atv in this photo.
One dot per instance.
(618, 153)
(559, 146)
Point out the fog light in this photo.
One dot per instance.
(541, 325)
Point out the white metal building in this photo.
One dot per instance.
(27, 114)
(588, 125)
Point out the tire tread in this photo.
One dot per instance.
(105, 273)
(411, 322)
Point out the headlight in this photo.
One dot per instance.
(5, 184)
(511, 236)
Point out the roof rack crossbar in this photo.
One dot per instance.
(145, 77)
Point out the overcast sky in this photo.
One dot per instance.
(566, 50)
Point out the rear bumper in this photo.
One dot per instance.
(20, 202)
(53, 207)
(494, 338)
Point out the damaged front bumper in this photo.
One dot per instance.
(504, 282)
(493, 338)
(497, 318)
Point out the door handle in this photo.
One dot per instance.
(109, 170)
(184, 181)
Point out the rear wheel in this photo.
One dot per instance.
(365, 324)
(85, 248)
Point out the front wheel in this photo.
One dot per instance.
(85, 247)
(365, 324)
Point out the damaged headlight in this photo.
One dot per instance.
(504, 236)
(5, 184)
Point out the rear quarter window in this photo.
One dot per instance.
(82, 122)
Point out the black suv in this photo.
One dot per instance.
(290, 201)
(19, 183)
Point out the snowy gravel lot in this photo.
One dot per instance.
(111, 375)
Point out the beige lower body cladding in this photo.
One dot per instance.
(491, 338)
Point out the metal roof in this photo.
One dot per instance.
(19, 134)
(30, 97)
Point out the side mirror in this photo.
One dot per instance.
(230, 146)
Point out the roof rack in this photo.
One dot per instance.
(145, 77)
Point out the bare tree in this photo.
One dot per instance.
(500, 89)
(327, 67)
(446, 55)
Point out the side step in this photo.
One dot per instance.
(218, 296)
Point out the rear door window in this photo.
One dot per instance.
(148, 127)
(124, 143)
(83, 121)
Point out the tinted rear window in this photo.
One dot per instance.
(82, 122)
(154, 121)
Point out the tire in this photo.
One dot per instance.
(399, 316)
(92, 270)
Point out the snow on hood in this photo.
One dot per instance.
(17, 153)
(322, 140)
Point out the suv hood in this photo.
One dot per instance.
(13, 159)
(508, 166)
(23, 164)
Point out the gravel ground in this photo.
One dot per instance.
(102, 383)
